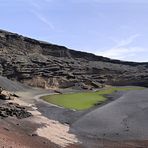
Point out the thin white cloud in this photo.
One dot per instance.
(124, 51)
(127, 41)
(36, 8)
(43, 19)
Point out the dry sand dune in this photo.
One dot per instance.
(122, 119)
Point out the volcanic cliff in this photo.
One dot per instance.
(47, 65)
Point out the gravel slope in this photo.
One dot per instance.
(124, 118)
(11, 85)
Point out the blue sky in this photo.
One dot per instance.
(114, 28)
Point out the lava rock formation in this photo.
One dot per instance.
(46, 65)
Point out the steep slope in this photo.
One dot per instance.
(46, 65)
(11, 85)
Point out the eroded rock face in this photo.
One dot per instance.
(46, 65)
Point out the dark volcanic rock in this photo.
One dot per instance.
(46, 65)
(13, 110)
(3, 97)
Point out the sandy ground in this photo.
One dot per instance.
(16, 133)
(36, 131)
(123, 121)
(117, 132)
(52, 130)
